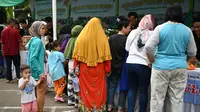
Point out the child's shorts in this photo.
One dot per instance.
(29, 107)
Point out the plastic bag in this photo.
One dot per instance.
(76, 84)
(49, 80)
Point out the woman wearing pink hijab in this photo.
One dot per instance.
(137, 63)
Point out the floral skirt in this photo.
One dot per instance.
(73, 98)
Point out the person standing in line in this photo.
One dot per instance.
(92, 56)
(72, 95)
(65, 34)
(139, 72)
(175, 45)
(55, 62)
(36, 54)
(117, 46)
(11, 42)
(133, 18)
(27, 86)
(196, 33)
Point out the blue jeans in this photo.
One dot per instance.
(139, 79)
(112, 83)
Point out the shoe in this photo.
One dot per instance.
(55, 98)
(59, 99)
(109, 110)
(70, 103)
(76, 106)
(63, 95)
(9, 81)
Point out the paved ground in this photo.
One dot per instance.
(10, 100)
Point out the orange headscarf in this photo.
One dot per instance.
(92, 45)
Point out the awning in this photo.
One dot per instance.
(6, 3)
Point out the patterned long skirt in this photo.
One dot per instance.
(72, 96)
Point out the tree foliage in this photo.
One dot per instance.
(9, 12)
(24, 6)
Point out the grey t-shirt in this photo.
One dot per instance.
(28, 93)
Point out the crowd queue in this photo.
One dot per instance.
(142, 61)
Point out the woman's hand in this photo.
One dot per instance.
(26, 80)
(150, 65)
(108, 74)
(43, 77)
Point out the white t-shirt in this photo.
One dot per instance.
(28, 93)
(136, 55)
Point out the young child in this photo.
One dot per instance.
(56, 70)
(27, 84)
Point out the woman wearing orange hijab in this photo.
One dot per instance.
(92, 55)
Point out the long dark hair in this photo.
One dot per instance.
(122, 22)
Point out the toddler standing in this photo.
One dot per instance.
(56, 69)
(27, 85)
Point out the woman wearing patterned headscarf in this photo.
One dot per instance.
(72, 95)
(36, 60)
(137, 63)
(92, 55)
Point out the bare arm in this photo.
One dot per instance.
(150, 57)
(38, 82)
(22, 86)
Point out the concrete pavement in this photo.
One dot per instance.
(10, 100)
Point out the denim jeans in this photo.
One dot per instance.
(139, 79)
(122, 99)
(112, 83)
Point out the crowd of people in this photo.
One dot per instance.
(142, 59)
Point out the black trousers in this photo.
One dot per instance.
(66, 72)
(16, 60)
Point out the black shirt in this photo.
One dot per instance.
(117, 46)
(197, 41)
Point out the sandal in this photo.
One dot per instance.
(109, 109)
(120, 111)
(9, 81)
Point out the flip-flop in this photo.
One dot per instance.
(11, 81)
(109, 109)
(7, 81)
